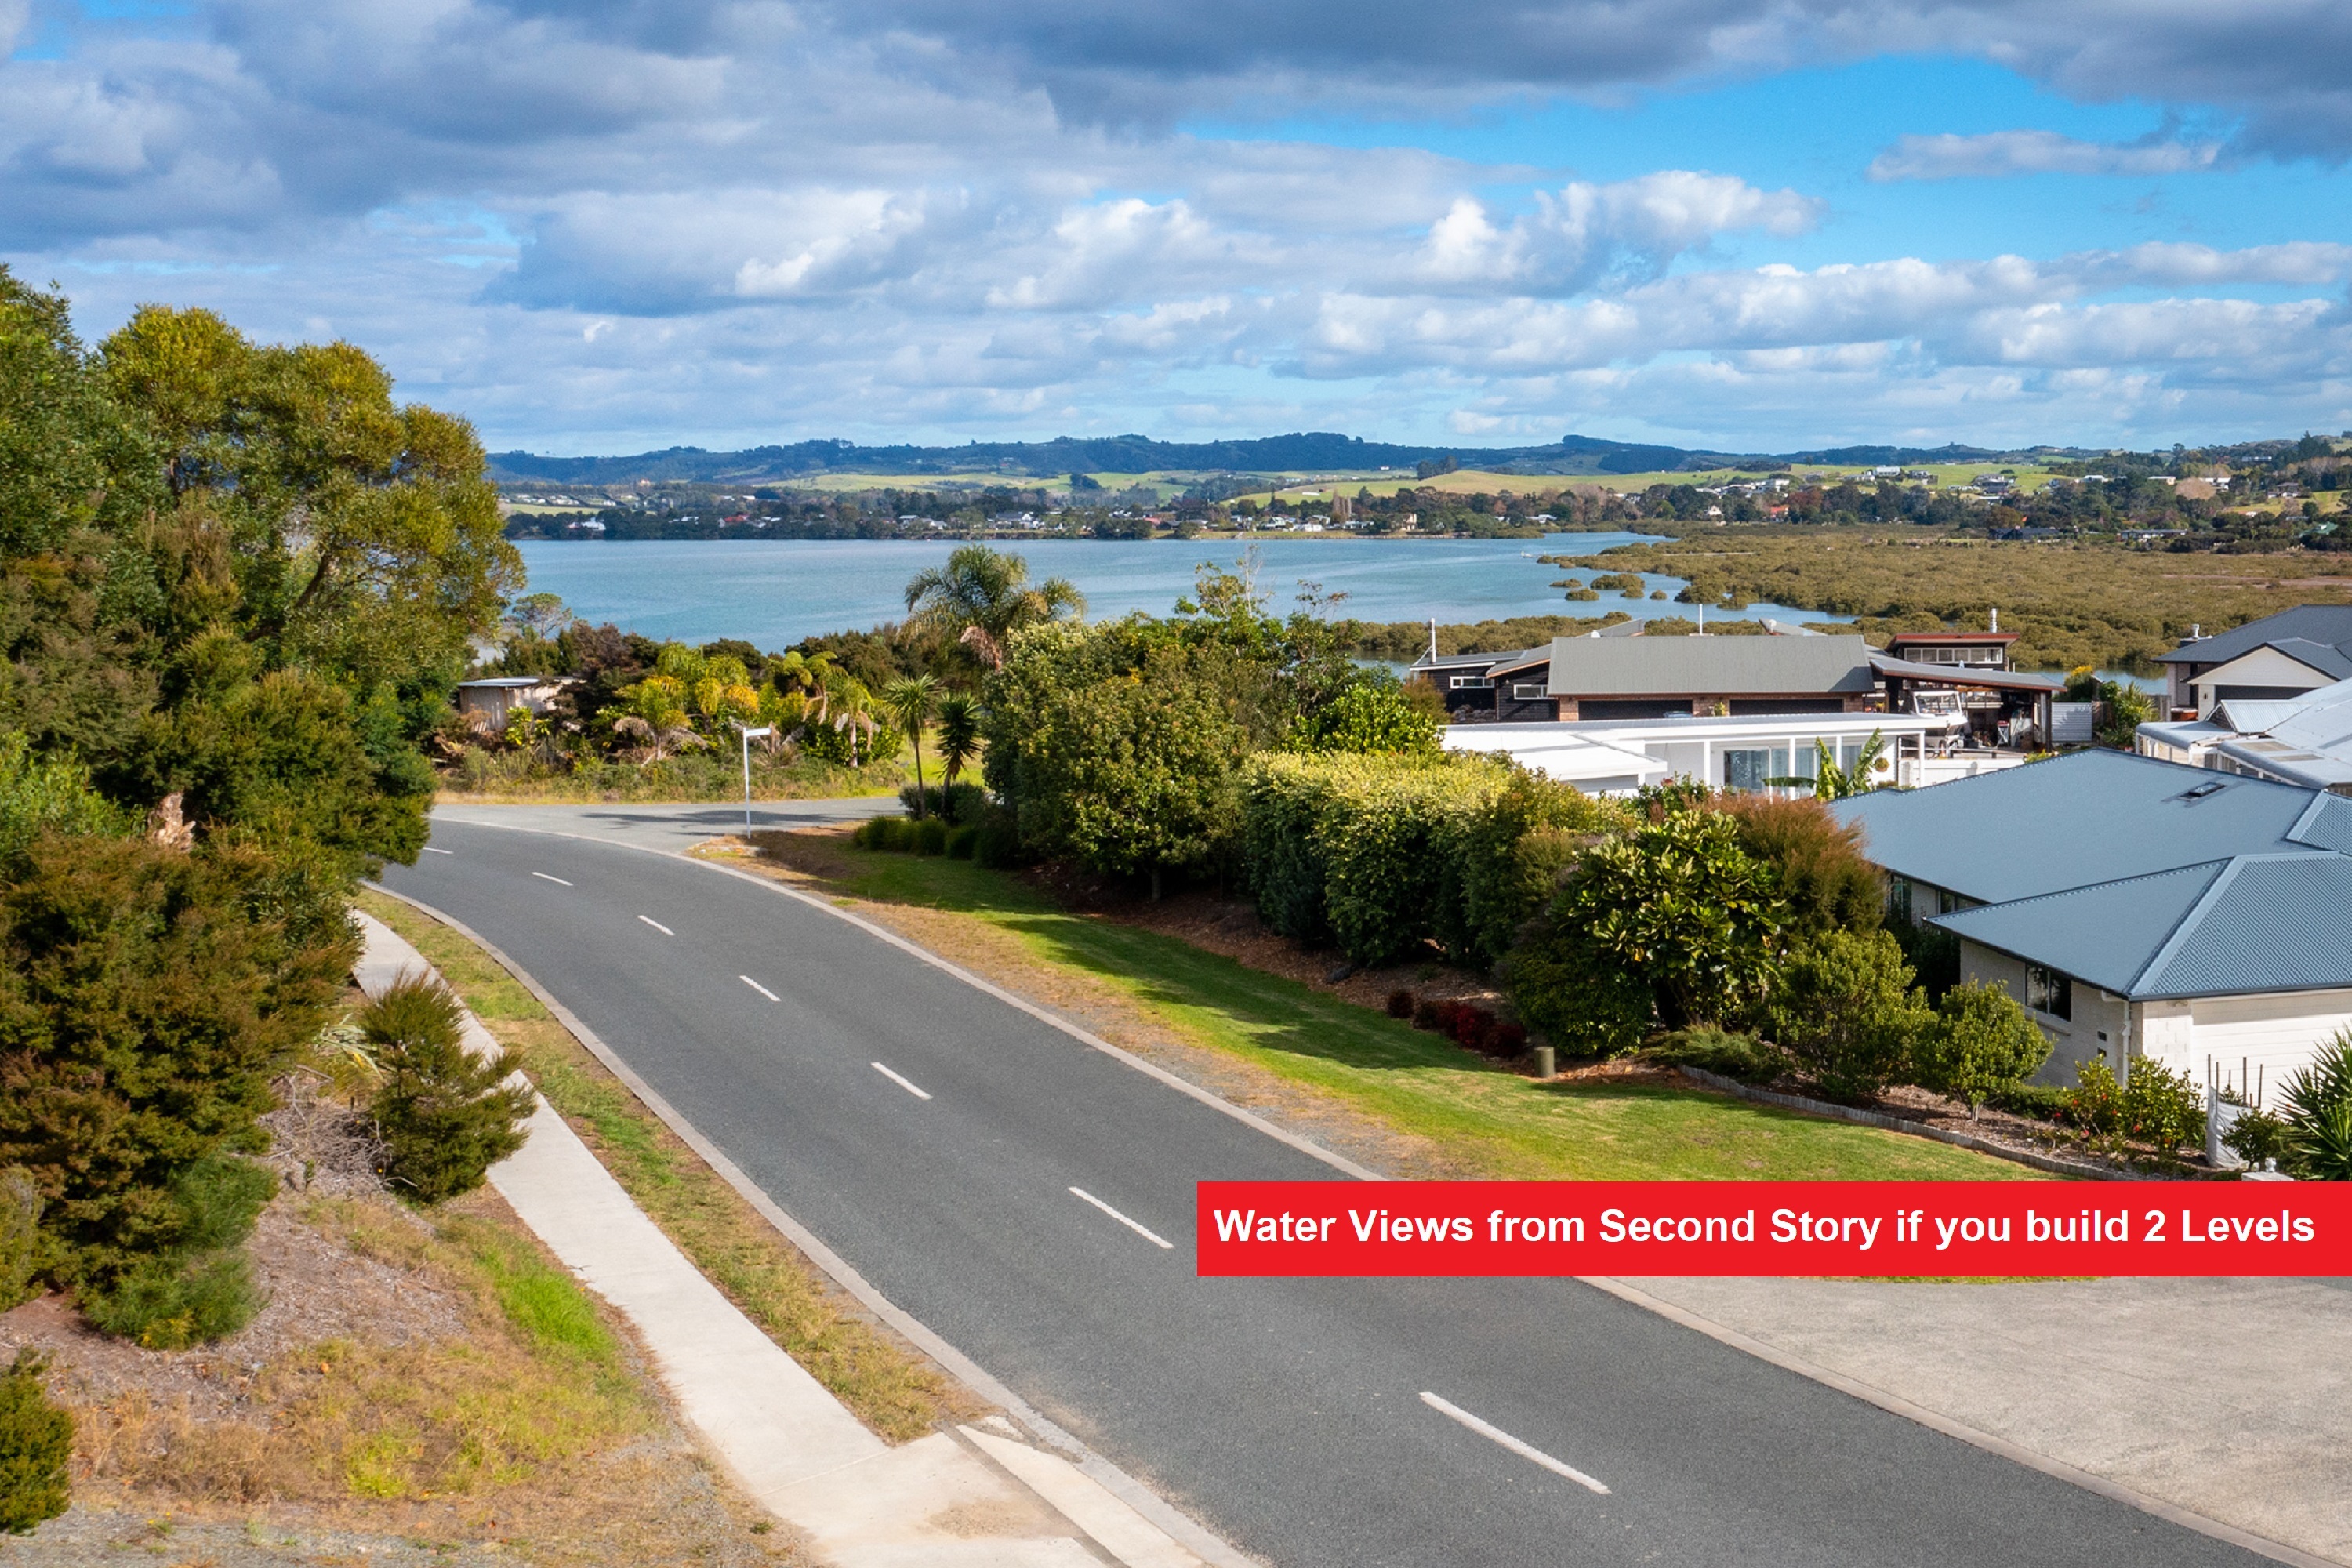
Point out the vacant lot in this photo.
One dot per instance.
(1390, 1096)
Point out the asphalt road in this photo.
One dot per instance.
(1286, 1415)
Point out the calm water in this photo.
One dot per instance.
(774, 592)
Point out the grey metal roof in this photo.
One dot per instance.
(1689, 666)
(1962, 674)
(2329, 623)
(2250, 924)
(2328, 824)
(2329, 660)
(2089, 817)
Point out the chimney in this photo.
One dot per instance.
(1996, 620)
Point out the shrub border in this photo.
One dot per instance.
(2049, 1162)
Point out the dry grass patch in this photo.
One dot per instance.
(888, 1385)
(467, 1395)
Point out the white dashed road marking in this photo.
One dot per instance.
(1148, 1236)
(1528, 1451)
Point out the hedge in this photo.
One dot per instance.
(1384, 854)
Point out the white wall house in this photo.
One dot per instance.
(2137, 909)
(1618, 756)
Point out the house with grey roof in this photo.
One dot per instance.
(1618, 673)
(2305, 740)
(2137, 909)
(1653, 677)
(2278, 657)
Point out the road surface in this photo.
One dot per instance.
(1030, 1199)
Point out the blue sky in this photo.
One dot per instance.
(1754, 224)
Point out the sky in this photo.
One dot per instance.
(1746, 225)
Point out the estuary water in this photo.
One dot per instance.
(772, 592)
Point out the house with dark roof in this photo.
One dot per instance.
(2278, 657)
(1617, 673)
(2137, 909)
(1653, 677)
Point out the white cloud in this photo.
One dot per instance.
(2002, 152)
(605, 225)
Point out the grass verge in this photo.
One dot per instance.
(1475, 1118)
(888, 1385)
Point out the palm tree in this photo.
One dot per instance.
(910, 700)
(959, 735)
(1831, 782)
(981, 597)
(657, 718)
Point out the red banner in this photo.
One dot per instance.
(1835, 1228)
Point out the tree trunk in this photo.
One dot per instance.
(1155, 884)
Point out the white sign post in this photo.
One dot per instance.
(748, 736)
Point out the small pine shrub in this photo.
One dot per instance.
(1400, 1003)
(445, 1115)
(35, 1442)
(169, 1304)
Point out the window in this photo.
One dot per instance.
(2049, 991)
(1747, 769)
(1471, 682)
(1898, 899)
(1529, 690)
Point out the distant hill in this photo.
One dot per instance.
(1311, 451)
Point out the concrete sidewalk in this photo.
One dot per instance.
(2231, 1398)
(978, 1497)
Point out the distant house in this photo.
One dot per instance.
(1650, 677)
(2305, 740)
(2136, 908)
(2280, 655)
(1968, 650)
(486, 704)
(1618, 756)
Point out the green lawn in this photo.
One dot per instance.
(1497, 1122)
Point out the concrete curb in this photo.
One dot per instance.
(792, 1446)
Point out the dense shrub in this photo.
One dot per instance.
(20, 1235)
(2259, 1138)
(1500, 863)
(1674, 921)
(446, 1115)
(35, 1445)
(147, 997)
(1385, 854)
(1371, 714)
(1828, 883)
(930, 838)
(1120, 746)
(2096, 1102)
(1400, 1003)
(1845, 1008)
(956, 803)
(1980, 1043)
(998, 843)
(962, 841)
(1727, 1052)
(2161, 1107)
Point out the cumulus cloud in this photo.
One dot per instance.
(1581, 232)
(598, 223)
(2003, 153)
